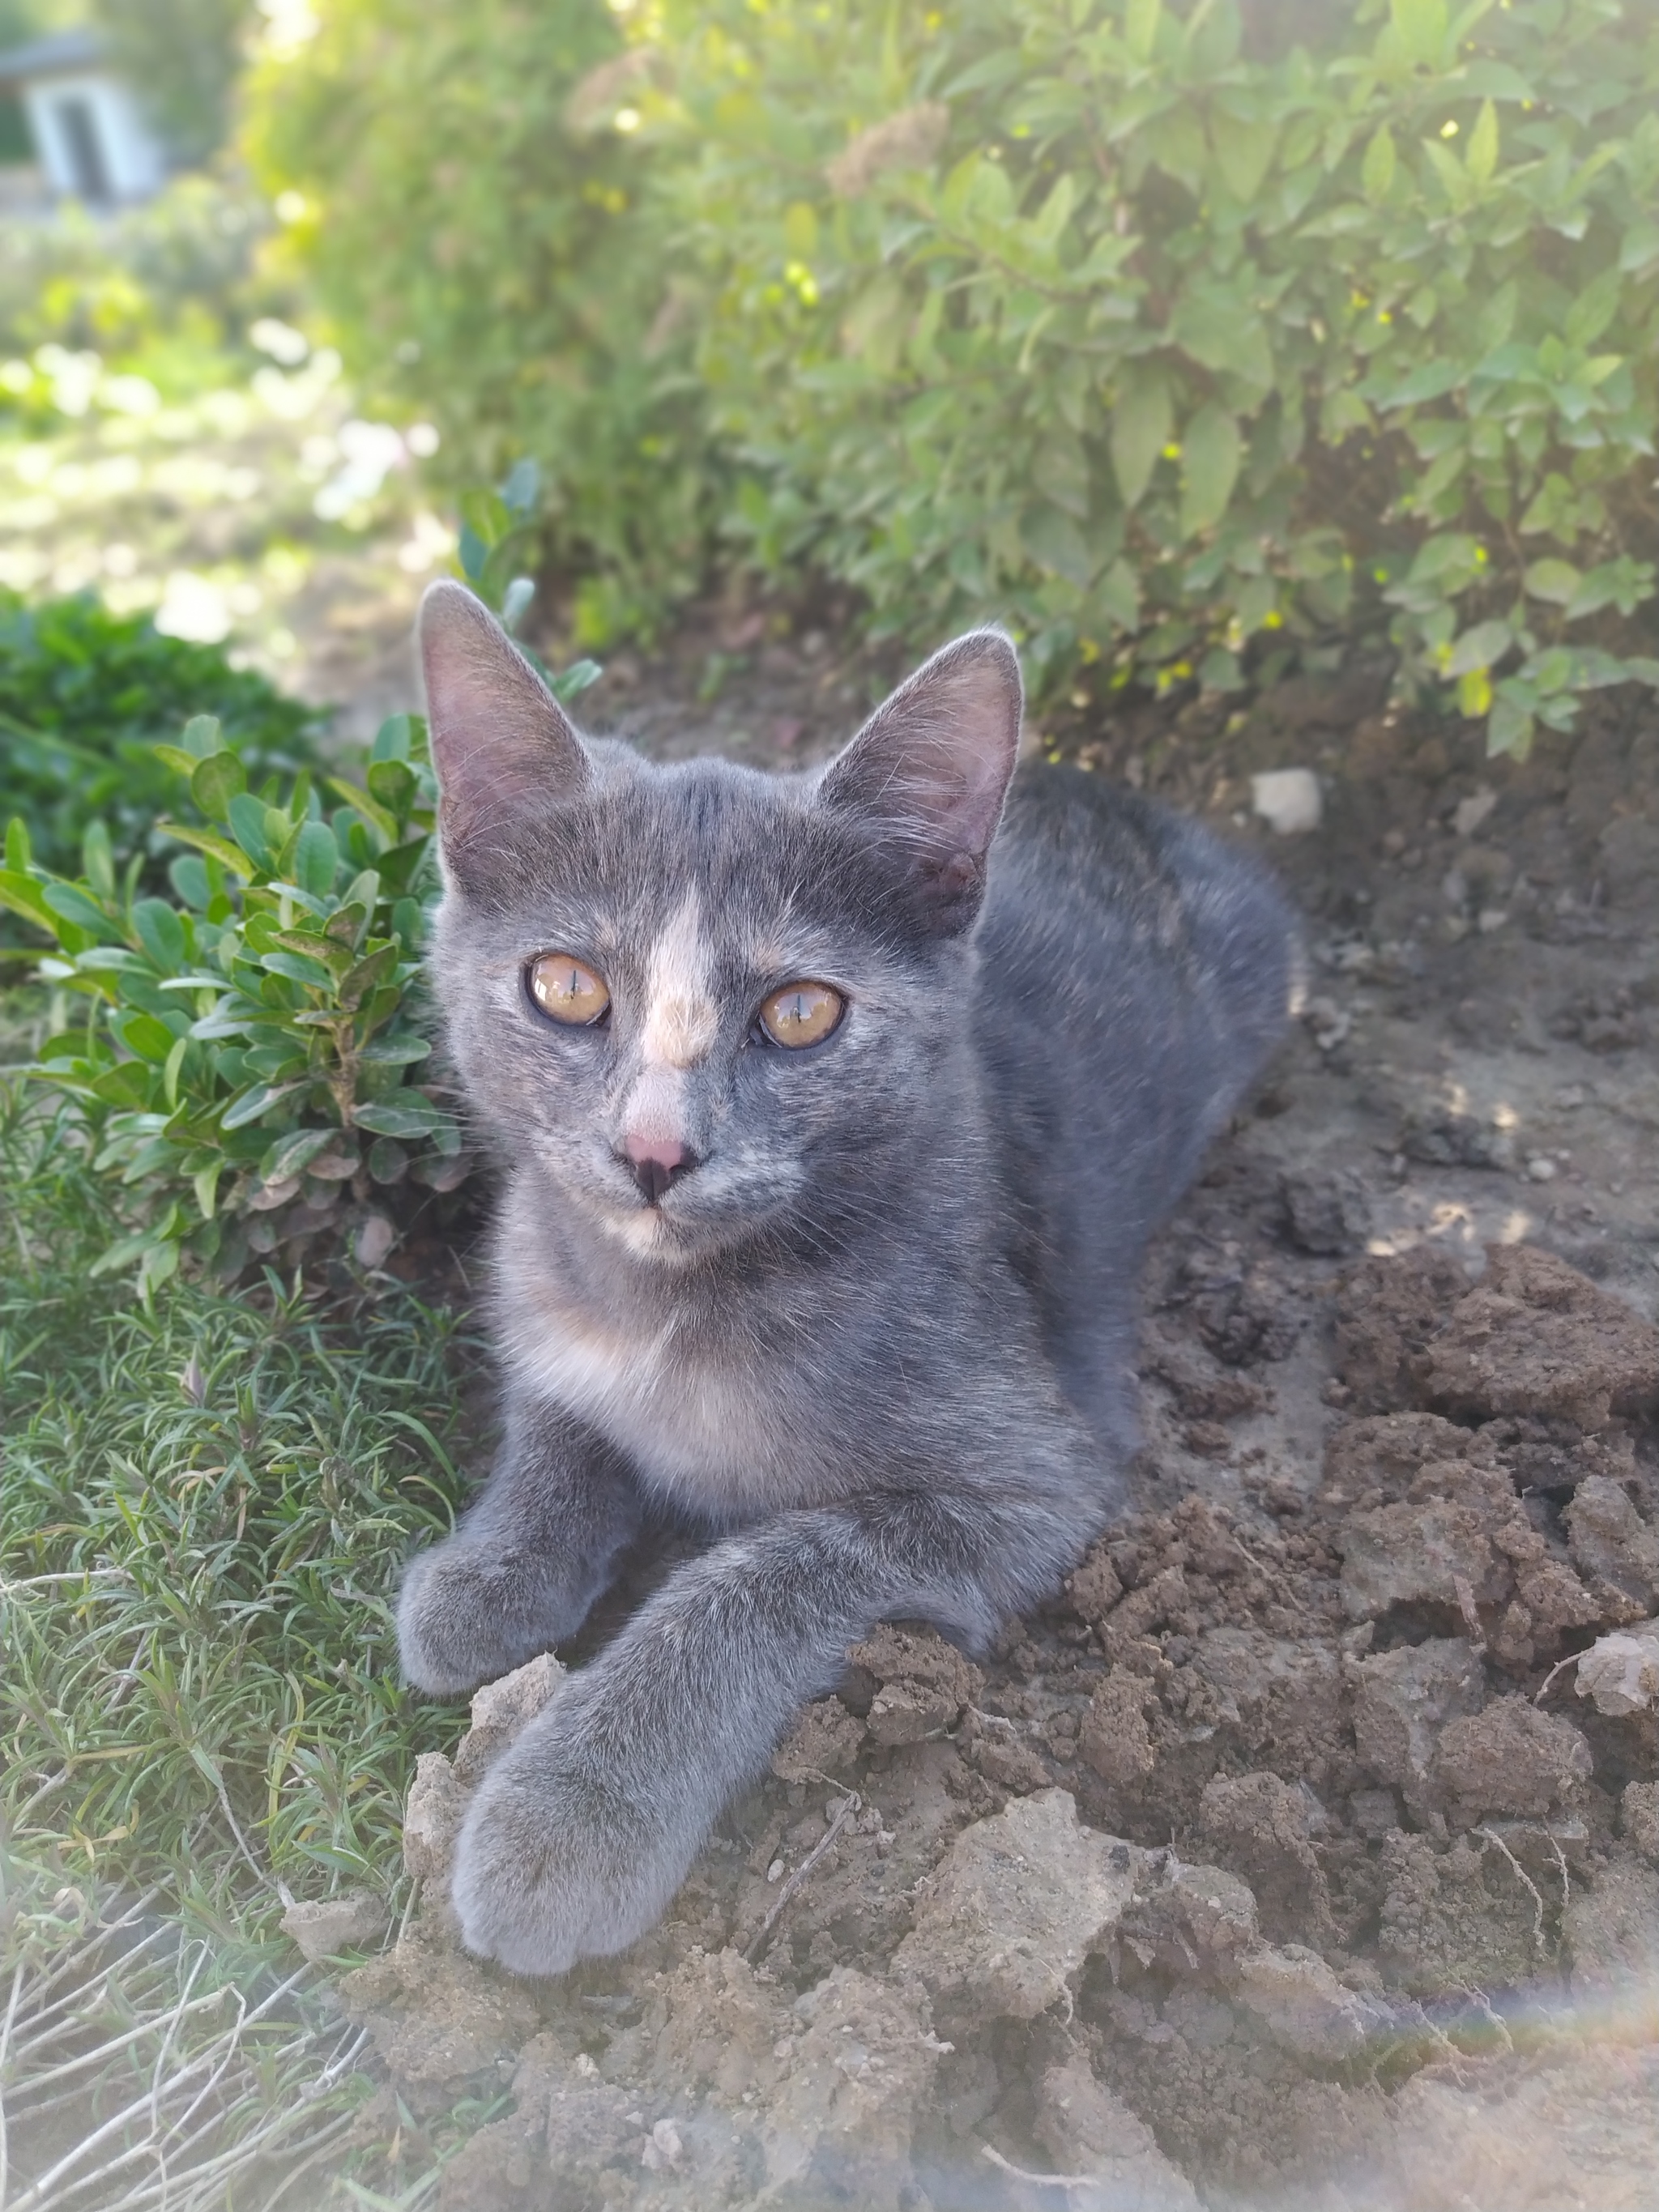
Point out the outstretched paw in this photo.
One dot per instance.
(554, 1864)
(466, 1617)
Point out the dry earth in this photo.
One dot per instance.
(1290, 1858)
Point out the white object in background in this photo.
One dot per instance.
(1288, 799)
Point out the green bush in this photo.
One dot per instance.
(1171, 343)
(84, 697)
(246, 1059)
(490, 262)
(1187, 337)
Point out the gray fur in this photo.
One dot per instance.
(880, 1345)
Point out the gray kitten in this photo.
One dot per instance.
(837, 1108)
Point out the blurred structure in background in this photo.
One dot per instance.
(75, 130)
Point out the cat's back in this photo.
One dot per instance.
(1134, 973)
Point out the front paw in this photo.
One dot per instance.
(466, 1617)
(556, 1862)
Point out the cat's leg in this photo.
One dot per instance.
(581, 1835)
(527, 1561)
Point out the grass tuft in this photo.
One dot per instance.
(203, 1503)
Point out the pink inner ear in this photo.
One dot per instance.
(501, 743)
(936, 758)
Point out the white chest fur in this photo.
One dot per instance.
(700, 1430)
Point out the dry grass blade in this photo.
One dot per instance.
(134, 2087)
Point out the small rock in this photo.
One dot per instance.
(1469, 813)
(1540, 1169)
(1620, 1673)
(432, 1817)
(374, 1241)
(500, 1711)
(351, 1922)
(1301, 2005)
(1511, 1758)
(1288, 799)
(1018, 1904)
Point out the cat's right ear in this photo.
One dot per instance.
(501, 745)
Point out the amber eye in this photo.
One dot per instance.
(801, 1014)
(561, 987)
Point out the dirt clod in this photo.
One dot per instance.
(1511, 1758)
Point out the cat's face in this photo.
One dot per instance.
(698, 998)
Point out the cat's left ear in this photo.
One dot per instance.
(932, 765)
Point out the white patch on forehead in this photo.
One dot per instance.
(681, 1018)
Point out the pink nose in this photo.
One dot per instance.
(661, 1151)
(658, 1163)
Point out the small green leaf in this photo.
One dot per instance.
(1376, 170)
(1210, 451)
(1419, 28)
(1479, 647)
(392, 739)
(1557, 581)
(152, 1040)
(570, 683)
(200, 736)
(205, 1184)
(316, 860)
(158, 930)
(98, 861)
(1510, 729)
(1481, 159)
(1141, 27)
(392, 782)
(1140, 431)
(215, 782)
(18, 854)
(246, 817)
(1118, 593)
(292, 1154)
(256, 1102)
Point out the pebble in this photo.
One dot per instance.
(1288, 799)
(1540, 1169)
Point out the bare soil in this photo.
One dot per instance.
(1280, 1861)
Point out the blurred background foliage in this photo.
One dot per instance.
(1182, 335)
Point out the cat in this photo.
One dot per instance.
(835, 1111)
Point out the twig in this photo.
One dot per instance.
(1561, 1866)
(1571, 1660)
(1068, 2181)
(849, 1804)
(1526, 1882)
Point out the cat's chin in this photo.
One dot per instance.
(647, 1234)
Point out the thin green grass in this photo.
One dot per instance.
(202, 1507)
(203, 1503)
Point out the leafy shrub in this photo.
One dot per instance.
(84, 697)
(248, 1055)
(1168, 343)
(490, 261)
